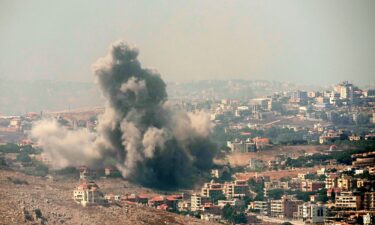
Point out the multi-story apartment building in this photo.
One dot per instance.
(262, 206)
(331, 181)
(369, 200)
(291, 207)
(197, 201)
(232, 202)
(348, 201)
(236, 189)
(212, 189)
(309, 185)
(344, 182)
(241, 146)
(88, 193)
(312, 213)
(285, 207)
(276, 207)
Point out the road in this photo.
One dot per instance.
(280, 220)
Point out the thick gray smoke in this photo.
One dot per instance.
(138, 132)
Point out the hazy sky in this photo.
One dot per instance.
(303, 41)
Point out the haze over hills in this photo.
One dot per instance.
(18, 97)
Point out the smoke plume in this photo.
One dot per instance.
(138, 133)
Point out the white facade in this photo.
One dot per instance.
(88, 193)
(312, 213)
(196, 202)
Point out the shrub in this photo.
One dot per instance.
(9, 148)
(17, 181)
(38, 213)
(23, 157)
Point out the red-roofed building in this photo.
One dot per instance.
(143, 199)
(172, 202)
(261, 143)
(211, 209)
(88, 193)
(163, 207)
(112, 198)
(156, 201)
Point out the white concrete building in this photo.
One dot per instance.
(312, 213)
(195, 202)
(88, 193)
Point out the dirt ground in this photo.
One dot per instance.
(242, 159)
(54, 199)
(277, 174)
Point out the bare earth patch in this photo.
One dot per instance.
(242, 159)
(54, 199)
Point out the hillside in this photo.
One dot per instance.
(54, 199)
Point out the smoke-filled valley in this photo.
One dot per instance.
(139, 133)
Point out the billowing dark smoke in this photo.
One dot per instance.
(138, 132)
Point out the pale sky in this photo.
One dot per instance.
(302, 41)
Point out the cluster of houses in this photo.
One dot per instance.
(88, 193)
(330, 136)
(350, 195)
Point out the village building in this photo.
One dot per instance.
(312, 213)
(212, 189)
(348, 201)
(111, 198)
(86, 173)
(309, 186)
(344, 182)
(197, 201)
(236, 189)
(369, 201)
(232, 202)
(156, 201)
(88, 193)
(285, 207)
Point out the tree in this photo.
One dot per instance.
(93, 118)
(38, 213)
(304, 196)
(363, 119)
(285, 179)
(9, 148)
(333, 196)
(322, 195)
(275, 194)
(23, 157)
(286, 223)
(216, 198)
(42, 167)
(225, 176)
(259, 197)
(239, 218)
(228, 212)
(2, 161)
(310, 176)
